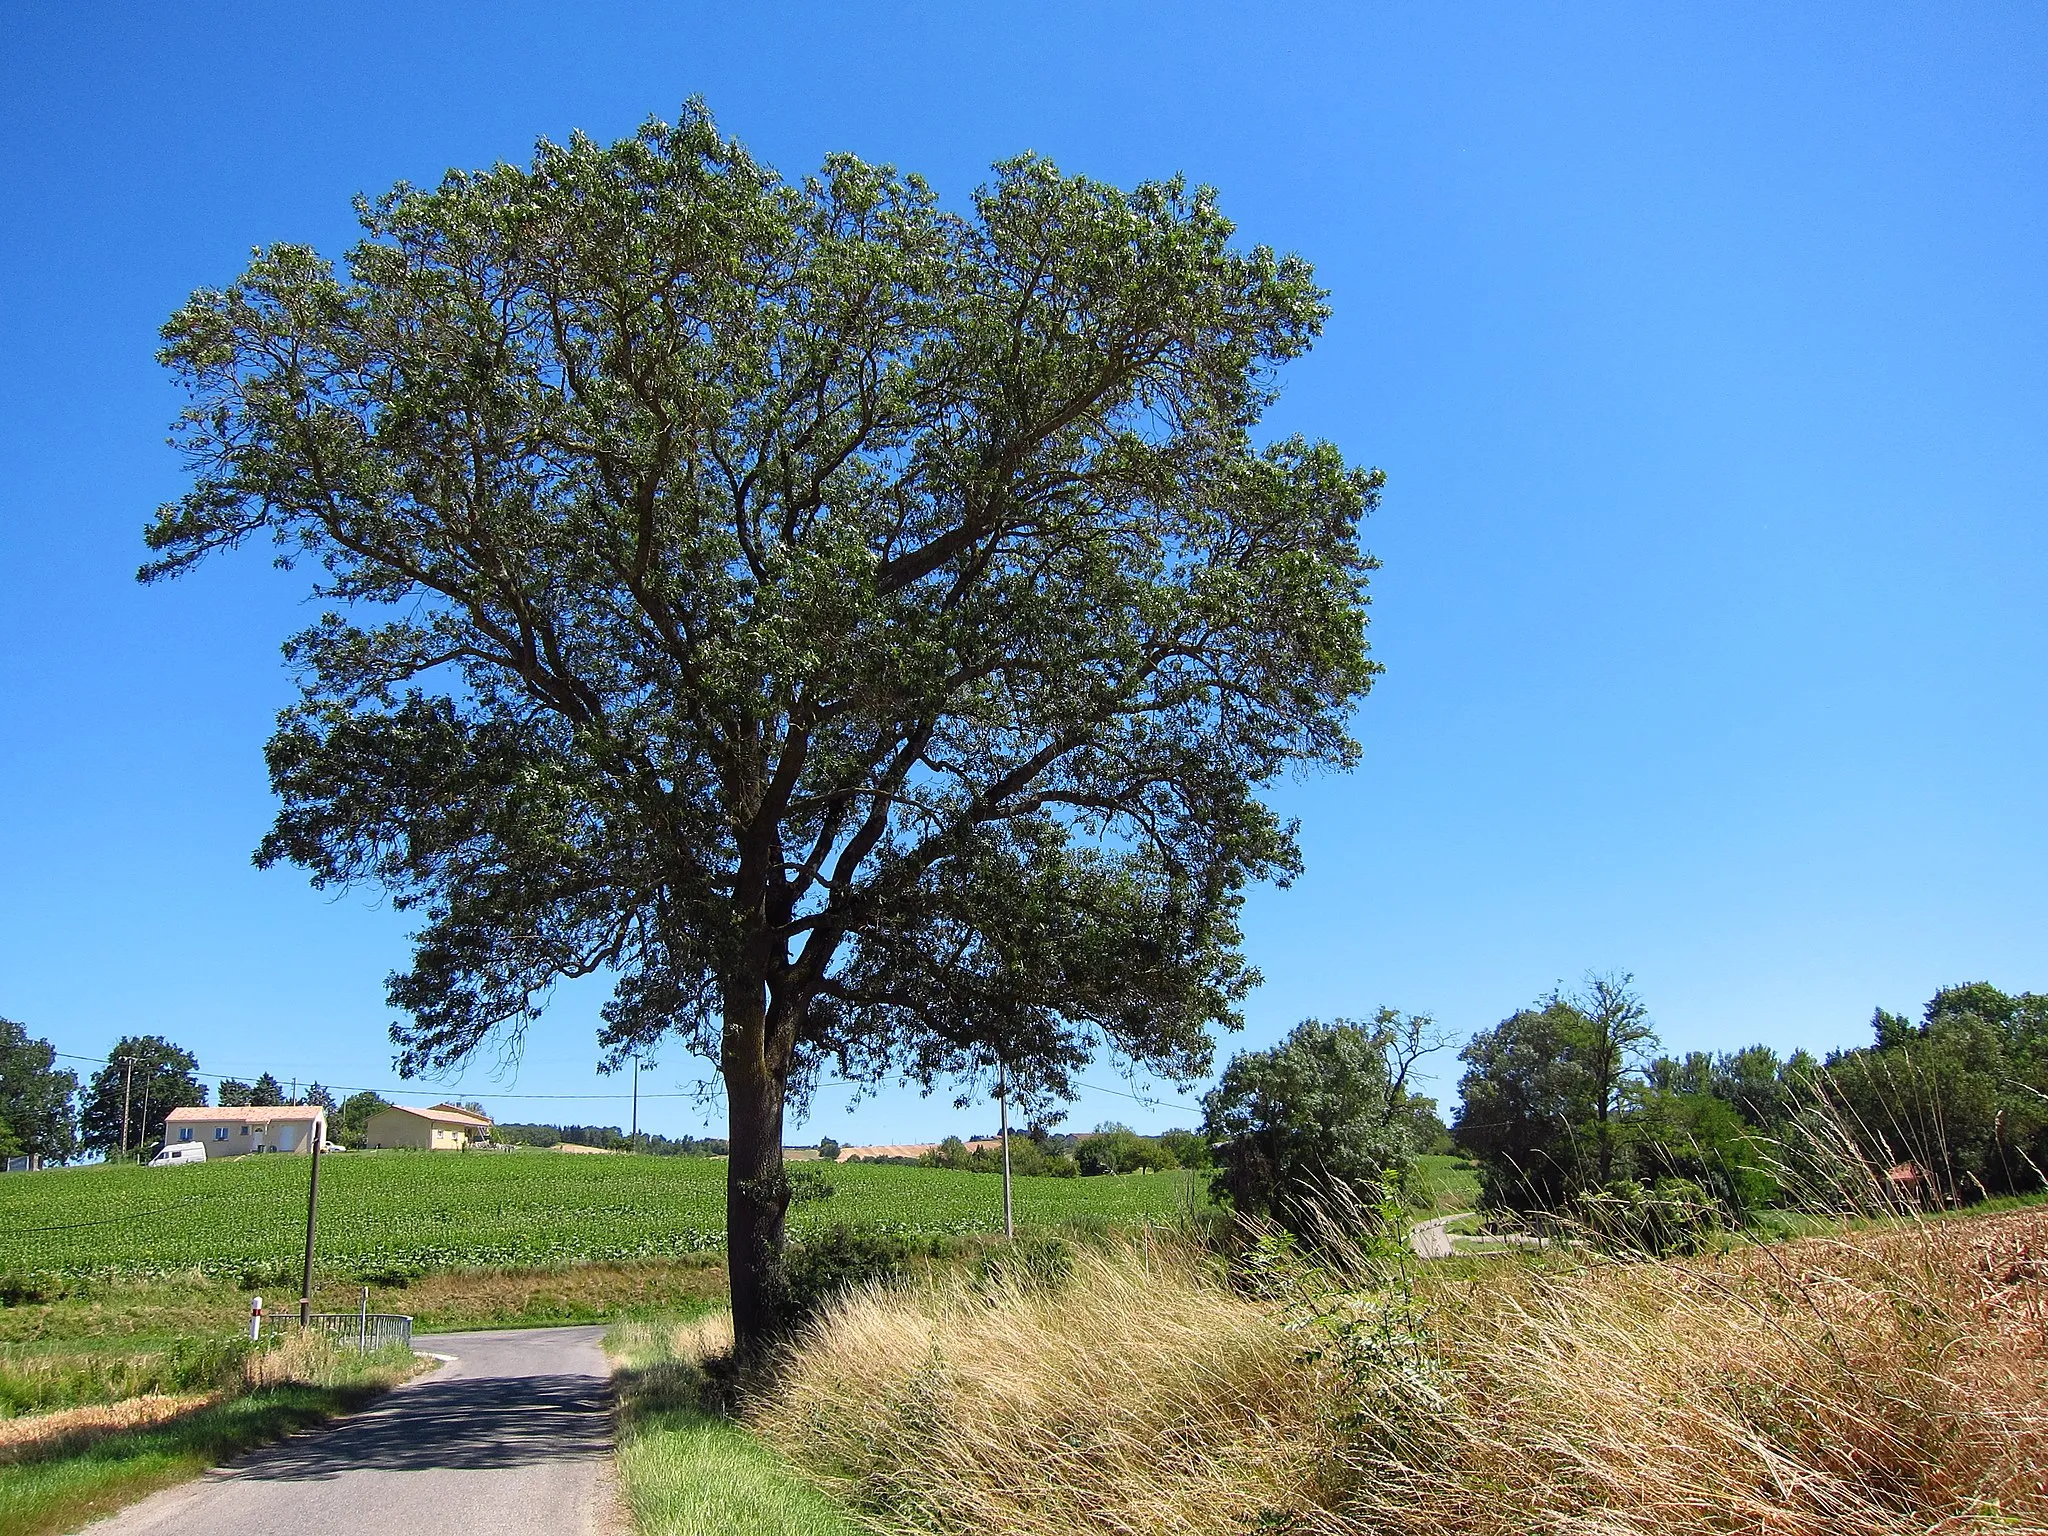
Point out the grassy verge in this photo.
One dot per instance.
(1885, 1381)
(687, 1471)
(89, 1463)
(114, 1317)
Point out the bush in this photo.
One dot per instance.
(837, 1260)
(1118, 1149)
(1321, 1111)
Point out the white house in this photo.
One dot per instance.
(237, 1131)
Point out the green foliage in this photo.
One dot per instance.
(1115, 1148)
(830, 1262)
(37, 1113)
(164, 1078)
(1188, 1149)
(1325, 1109)
(393, 1213)
(1960, 1095)
(1700, 1140)
(1545, 1094)
(1029, 1158)
(350, 1124)
(868, 633)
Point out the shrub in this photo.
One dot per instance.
(1322, 1109)
(840, 1259)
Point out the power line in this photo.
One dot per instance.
(1150, 1101)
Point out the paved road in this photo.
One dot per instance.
(513, 1438)
(1429, 1240)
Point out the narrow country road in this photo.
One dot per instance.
(512, 1437)
(1429, 1240)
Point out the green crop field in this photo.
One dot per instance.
(398, 1212)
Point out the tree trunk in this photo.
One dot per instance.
(756, 1187)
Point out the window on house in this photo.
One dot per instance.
(220, 1133)
(184, 1133)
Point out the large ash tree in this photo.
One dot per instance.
(863, 632)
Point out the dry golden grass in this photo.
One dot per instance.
(1872, 1384)
(38, 1433)
(1869, 1384)
(1140, 1397)
(299, 1359)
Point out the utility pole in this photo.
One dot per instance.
(1003, 1094)
(635, 1137)
(127, 1084)
(312, 1208)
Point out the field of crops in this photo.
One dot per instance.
(399, 1212)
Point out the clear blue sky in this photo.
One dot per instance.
(1704, 347)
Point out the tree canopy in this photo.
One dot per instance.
(1545, 1093)
(37, 1112)
(863, 631)
(164, 1077)
(1329, 1104)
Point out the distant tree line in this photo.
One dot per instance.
(609, 1137)
(1041, 1152)
(1568, 1106)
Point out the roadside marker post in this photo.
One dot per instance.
(255, 1319)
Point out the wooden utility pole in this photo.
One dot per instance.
(634, 1139)
(312, 1210)
(1003, 1094)
(127, 1084)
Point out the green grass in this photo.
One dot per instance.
(51, 1374)
(60, 1485)
(400, 1213)
(686, 1471)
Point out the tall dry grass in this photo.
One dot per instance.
(1871, 1384)
(1141, 1396)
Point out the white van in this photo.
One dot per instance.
(180, 1152)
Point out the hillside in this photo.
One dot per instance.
(394, 1212)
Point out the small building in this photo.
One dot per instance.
(237, 1131)
(443, 1128)
(910, 1151)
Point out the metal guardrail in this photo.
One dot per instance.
(367, 1330)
